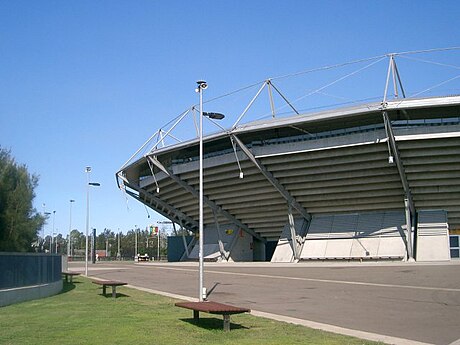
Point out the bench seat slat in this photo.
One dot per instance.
(212, 307)
(70, 273)
(109, 282)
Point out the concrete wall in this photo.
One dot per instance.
(243, 249)
(28, 276)
(27, 293)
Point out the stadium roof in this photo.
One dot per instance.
(362, 158)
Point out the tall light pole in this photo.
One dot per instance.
(70, 228)
(52, 235)
(88, 185)
(135, 243)
(46, 215)
(43, 225)
(118, 249)
(56, 242)
(202, 85)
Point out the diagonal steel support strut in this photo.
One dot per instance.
(217, 209)
(408, 201)
(165, 210)
(269, 176)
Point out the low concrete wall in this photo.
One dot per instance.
(27, 276)
(27, 293)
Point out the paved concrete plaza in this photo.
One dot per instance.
(410, 301)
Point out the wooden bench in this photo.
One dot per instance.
(111, 283)
(213, 308)
(68, 274)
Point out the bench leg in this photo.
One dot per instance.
(66, 278)
(196, 315)
(71, 279)
(114, 291)
(226, 322)
(103, 290)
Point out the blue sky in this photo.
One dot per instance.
(87, 82)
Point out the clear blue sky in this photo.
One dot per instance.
(87, 82)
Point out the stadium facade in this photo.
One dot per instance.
(377, 181)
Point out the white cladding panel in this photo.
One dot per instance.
(433, 236)
(355, 236)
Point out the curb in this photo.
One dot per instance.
(312, 324)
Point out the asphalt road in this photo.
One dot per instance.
(410, 301)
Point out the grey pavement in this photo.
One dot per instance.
(416, 302)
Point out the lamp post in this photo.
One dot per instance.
(46, 214)
(52, 234)
(118, 249)
(56, 242)
(202, 85)
(135, 243)
(69, 245)
(158, 245)
(43, 225)
(88, 184)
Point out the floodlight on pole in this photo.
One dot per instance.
(135, 243)
(52, 234)
(88, 184)
(202, 85)
(214, 116)
(43, 225)
(44, 241)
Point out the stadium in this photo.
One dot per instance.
(376, 180)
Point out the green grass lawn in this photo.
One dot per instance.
(81, 315)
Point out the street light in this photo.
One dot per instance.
(135, 244)
(95, 184)
(46, 214)
(70, 228)
(52, 235)
(43, 225)
(214, 116)
(202, 85)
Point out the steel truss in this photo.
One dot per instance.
(161, 137)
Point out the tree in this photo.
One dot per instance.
(78, 239)
(107, 240)
(19, 221)
(127, 244)
(77, 243)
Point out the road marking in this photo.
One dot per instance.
(428, 288)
